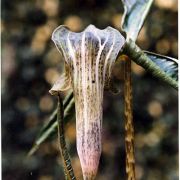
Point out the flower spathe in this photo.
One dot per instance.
(89, 58)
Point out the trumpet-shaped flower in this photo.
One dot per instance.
(89, 58)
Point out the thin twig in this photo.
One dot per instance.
(68, 170)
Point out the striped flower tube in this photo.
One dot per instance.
(89, 58)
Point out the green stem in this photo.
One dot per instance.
(139, 57)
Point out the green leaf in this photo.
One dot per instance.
(52, 117)
(168, 64)
(135, 12)
(50, 128)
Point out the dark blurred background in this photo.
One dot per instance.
(31, 64)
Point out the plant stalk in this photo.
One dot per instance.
(68, 170)
(129, 127)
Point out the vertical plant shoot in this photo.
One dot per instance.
(89, 58)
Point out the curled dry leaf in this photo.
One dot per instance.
(63, 83)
